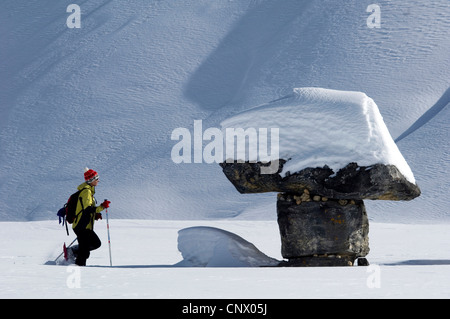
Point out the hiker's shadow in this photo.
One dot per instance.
(420, 262)
(411, 262)
(137, 266)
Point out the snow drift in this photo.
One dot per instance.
(212, 247)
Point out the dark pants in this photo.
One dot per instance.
(87, 241)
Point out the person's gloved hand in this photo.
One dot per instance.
(98, 216)
(106, 203)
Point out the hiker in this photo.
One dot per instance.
(85, 215)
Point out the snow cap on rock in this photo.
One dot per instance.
(319, 127)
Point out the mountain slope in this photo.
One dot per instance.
(109, 95)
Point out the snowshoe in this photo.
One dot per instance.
(69, 255)
(66, 255)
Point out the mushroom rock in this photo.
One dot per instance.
(332, 150)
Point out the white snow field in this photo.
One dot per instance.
(407, 261)
(109, 95)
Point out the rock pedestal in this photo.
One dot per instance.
(318, 231)
(321, 214)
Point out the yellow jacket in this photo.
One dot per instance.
(86, 209)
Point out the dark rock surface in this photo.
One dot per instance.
(379, 181)
(320, 231)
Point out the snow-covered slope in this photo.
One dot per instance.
(109, 95)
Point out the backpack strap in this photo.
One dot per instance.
(82, 206)
(81, 201)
